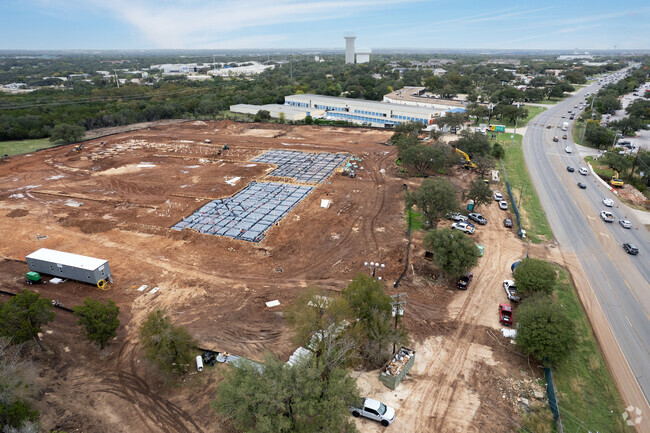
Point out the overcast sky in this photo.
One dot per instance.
(233, 24)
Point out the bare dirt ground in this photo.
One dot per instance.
(117, 202)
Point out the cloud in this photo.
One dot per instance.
(188, 23)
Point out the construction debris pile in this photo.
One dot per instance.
(399, 361)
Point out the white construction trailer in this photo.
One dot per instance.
(69, 266)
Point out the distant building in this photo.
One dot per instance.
(14, 86)
(576, 57)
(361, 111)
(292, 114)
(251, 68)
(363, 55)
(349, 49)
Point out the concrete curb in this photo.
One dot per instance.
(601, 180)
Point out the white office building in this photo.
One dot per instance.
(361, 111)
(363, 55)
(291, 113)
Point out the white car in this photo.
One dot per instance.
(374, 410)
(608, 202)
(456, 216)
(464, 227)
(583, 171)
(568, 149)
(625, 224)
(607, 216)
(503, 205)
(498, 196)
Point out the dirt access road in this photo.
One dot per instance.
(117, 201)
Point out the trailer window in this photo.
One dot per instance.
(51, 267)
(88, 275)
(102, 271)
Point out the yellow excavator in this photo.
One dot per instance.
(616, 180)
(467, 163)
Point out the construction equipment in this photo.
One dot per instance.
(467, 163)
(78, 148)
(616, 180)
(33, 278)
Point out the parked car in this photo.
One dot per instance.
(503, 205)
(456, 216)
(568, 149)
(464, 227)
(478, 218)
(607, 216)
(631, 248)
(463, 282)
(498, 196)
(505, 314)
(374, 410)
(625, 223)
(511, 290)
(583, 171)
(570, 169)
(608, 202)
(582, 185)
(507, 223)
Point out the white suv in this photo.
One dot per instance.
(583, 171)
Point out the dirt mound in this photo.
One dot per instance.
(17, 213)
(88, 226)
(633, 195)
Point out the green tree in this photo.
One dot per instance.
(309, 120)
(534, 276)
(556, 92)
(282, 118)
(597, 135)
(607, 104)
(474, 144)
(484, 165)
(435, 197)
(99, 320)
(617, 162)
(167, 346)
(480, 192)
(262, 116)
(452, 120)
(498, 151)
(453, 251)
(282, 398)
(65, 133)
(23, 315)
(640, 108)
(478, 111)
(425, 159)
(374, 325)
(544, 331)
(628, 124)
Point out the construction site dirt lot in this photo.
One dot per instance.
(118, 200)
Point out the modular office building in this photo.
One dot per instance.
(68, 265)
(362, 111)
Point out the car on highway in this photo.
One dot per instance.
(463, 227)
(456, 216)
(498, 196)
(568, 149)
(549, 126)
(374, 410)
(503, 205)
(582, 185)
(583, 171)
(555, 139)
(608, 202)
(564, 116)
(505, 314)
(625, 224)
(607, 216)
(570, 169)
(478, 218)
(631, 248)
(507, 223)
(511, 290)
(564, 136)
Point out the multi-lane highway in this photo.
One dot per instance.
(618, 280)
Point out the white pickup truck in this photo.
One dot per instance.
(374, 410)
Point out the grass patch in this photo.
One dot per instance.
(588, 398)
(532, 112)
(601, 170)
(578, 129)
(19, 147)
(418, 221)
(533, 218)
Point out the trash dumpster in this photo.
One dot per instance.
(394, 370)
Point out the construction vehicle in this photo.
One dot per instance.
(33, 278)
(616, 180)
(467, 163)
(78, 148)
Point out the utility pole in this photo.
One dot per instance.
(398, 308)
(635, 158)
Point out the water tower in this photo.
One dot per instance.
(349, 47)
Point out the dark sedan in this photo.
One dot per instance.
(507, 223)
(582, 185)
(631, 248)
(570, 169)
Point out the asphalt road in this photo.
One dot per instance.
(620, 281)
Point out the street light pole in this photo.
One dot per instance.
(398, 309)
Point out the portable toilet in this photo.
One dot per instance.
(470, 205)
